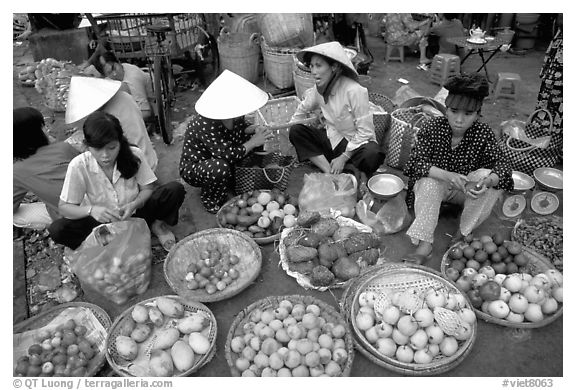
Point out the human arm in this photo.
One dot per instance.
(144, 194)
(358, 105)
(307, 105)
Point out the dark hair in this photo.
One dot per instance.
(473, 84)
(27, 132)
(450, 16)
(101, 128)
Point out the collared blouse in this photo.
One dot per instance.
(347, 113)
(86, 179)
(477, 149)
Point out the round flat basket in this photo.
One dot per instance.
(545, 235)
(258, 240)
(537, 264)
(139, 366)
(304, 280)
(386, 280)
(327, 313)
(179, 258)
(47, 316)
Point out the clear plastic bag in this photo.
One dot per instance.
(323, 191)
(392, 217)
(115, 260)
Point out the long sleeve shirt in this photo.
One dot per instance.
(346, 115)
(477, 149)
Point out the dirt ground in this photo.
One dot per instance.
(498, 351)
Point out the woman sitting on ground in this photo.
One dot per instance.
(111, 182)
(218, 137)
(348, 132)
(456, 159)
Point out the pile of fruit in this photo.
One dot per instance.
(259, 214)
(326, 252)
(499, 280)
(214, 269)
(64, 351)
(544, 235)
(53, 81)
(175, 337)
(415, 327)
(289, 339)
(27, 75)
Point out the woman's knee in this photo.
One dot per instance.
(296, 131)
(57, 231)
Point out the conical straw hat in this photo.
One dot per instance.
(230, 96)
(333, 50)
(87, 94)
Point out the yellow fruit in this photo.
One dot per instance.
(272, 205)
(289, 209)
(264, 198)
(257, 208)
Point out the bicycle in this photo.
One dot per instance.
(162, 79)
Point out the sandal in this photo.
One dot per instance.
(423, 67)
(165, 235)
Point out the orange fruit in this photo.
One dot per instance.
(514, 247)
(476, 244)
(485, 239)
(480, 256)
(469, 252)
(458, 265)
(498, 238)
(455, 253)
(490, 248)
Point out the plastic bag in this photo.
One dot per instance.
(115, 260)
(391, 218)
(323, 191)
(516, 129)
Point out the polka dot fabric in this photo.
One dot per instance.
(477, 149)
(209, 152)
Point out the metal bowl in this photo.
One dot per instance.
(549, 178)
(522, 181)
(385, 186)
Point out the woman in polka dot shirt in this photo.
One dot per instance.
(219, 137)
(456, 159)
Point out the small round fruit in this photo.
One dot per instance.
(456, 253)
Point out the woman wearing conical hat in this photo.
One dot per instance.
(348, 132)
(219, 137)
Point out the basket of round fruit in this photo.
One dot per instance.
(543, 234)
(507, 283)
(260, 214)
(409, 319)
(291, 335)
(324, 251)
(212, 265)
(162, 336)
(67, 340)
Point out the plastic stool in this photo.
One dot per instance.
(508, 85)
(444, 66)
(390, 48)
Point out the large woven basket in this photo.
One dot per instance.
(537, 264)
(177, 261)
(263, 172)
(303, 81)
(47, 316)
(382, 121)
(287, 29)
(278, 64)
(125, 368)
(327, 312)
(276, 115)
(543, 230)
(405, 126)
(388, 279)
(239, 52)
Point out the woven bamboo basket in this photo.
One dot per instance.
(276, 115)
(47, 316)
(239, 52)
(287, 29)
(327, 312)
(259, 241)
(542, 232)
(177, 261)
(382, 121)
(303, 81)
(386, 280)
(126, 368)
(279, 64)
(537, 264)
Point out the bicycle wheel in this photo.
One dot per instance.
(163, 98)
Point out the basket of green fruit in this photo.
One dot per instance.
(67, 340)
(212, 265)
(507, 283)
(260, 214)
(291, 335)
(162, 336)
(409, 319)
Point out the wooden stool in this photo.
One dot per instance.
(508, 85)
(390, 48)
(443, 66)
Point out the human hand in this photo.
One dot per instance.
(261, 135)
(337, 164)
(127, 210)
(104, 214)
(456, 180)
